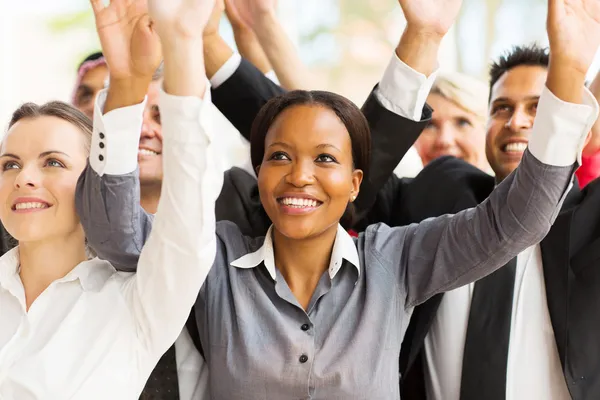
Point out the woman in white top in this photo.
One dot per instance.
(72, 327)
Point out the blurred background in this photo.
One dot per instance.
(345, 43)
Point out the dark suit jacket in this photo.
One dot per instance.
(571, 261)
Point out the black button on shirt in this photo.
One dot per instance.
(303, 358)
(305, 327)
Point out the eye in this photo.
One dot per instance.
(463, 122)
(279, 156)
(156, 114)
(9, 165)
(501, 108)
(51, 162)
(326, 158)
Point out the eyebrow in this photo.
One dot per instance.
(506, 99)
(42, 155)
(320, 146)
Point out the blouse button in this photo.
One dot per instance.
(303, 358)
(305, 327)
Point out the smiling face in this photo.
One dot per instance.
(307, 175)
(453, 131)
(150, 148)
(513, 106)
(41, 159)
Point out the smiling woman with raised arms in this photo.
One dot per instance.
(72, 327)
(307, 311)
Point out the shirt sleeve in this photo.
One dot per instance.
(226, 70)
(181, 247)
(115, 138)
(403, 90)
(560, 128)
(450, 251)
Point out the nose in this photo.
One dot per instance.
(520, 120)
(445, 137)
(150, 128)
(301, 173)
(28, 177)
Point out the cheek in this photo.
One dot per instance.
(337, 183)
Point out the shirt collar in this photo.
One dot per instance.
(91, 274)
(343, 249)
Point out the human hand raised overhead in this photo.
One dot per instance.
(430, 17)
(212, 26)
(180, 19)
(180, 24)
(250, 12)
(574, 32)
(129, 43)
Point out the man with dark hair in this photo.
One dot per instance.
(510, 335)
(92, 76)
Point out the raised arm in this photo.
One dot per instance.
(182, 245)
(447, 252)
(108, 193)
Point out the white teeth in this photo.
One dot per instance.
(26, 206)
(516, 147)
(300, 203)
(147, 152)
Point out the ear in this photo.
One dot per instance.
(357, 177)
(257, 170)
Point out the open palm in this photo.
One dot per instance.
(433, 16)
(574, 31)
(129, 43)
(180, 18)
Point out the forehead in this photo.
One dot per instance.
(96, 76)
(32, 136)
(520, 82)
(309, 125)
(445, 108)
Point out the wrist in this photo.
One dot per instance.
(419, 50)
(566, 82)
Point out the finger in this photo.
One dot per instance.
(97, 5)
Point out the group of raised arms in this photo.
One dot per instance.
(151, 258)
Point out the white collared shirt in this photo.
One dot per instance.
(98, 333)
(533, 369)
(343, 249)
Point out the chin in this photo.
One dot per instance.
(300, 230)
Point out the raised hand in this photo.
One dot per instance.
(129, 43)
(574, 32)
(251, 12)
(180, 19)
(433, 17)
(212, 27)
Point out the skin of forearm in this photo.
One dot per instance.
(419, 50)
(289, 68)
(250, 48)
(216, 54)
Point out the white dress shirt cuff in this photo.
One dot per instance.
(226, 71)
(116, 137)
(403, 90)
(560, 128)
(272, 76)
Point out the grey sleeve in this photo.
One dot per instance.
(444, 253)
(115, 224)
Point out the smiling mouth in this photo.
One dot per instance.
(515, 147)
(146, 152)
(299, 203)
(30, 206)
